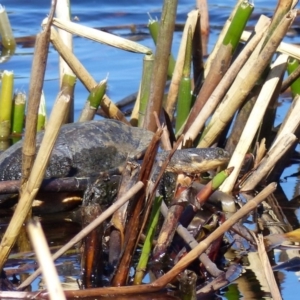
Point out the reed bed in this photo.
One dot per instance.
(225, 102)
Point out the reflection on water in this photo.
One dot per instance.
(124, 72)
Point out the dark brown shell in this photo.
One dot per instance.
(83, 149)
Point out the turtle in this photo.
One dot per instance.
(86, 148)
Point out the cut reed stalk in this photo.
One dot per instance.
(174, 86)
(145, 87)
(267, 163)
(291, 121)
(197, 56)
(204, 24)
(106, 214)
(41, 122)
(184, 101)
(18, 116)
(241, 119)
(266, 266)
(6, 103)
(6, 33)
(100, 36)
(68, 86)
(286, 48)
(227, 80)
(62, 11)
(221, 36)
(283, 7)
(254, 120)
(243, 84)
(83, 75)
(134, 118)
(93, 102)
(40, 246)
(160, 66)
(34, 96)
(147, 247)
(220, 64)
(153, 26)
(30, 189)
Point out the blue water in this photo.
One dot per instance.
(122, 68)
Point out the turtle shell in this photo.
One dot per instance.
(82, 149)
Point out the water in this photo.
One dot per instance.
(122, 68)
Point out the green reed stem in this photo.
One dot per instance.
(8, 40)
(292, 65)
(153, 26)
(222, 60)
(18, 116)
(68, 86)
(93, 102)
(6, 103)
(238, 24)
(185, 87)
(41, 121)
(146, 250)
(145, 86)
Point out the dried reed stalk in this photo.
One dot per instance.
(254, 120)
(244, 83)
(63, 12)
(291, 121)
(268, 162)
(35, 179)
(221, 63)
(84, 76)
(286, 48)
(220, 38)
(204, 24)
(185, 261)
(40, 246)
(267, 269)
(203, 245)
(100, 36)
(34, 96)
(107, 213)
(227, 80)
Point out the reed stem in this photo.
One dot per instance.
(6, 103)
